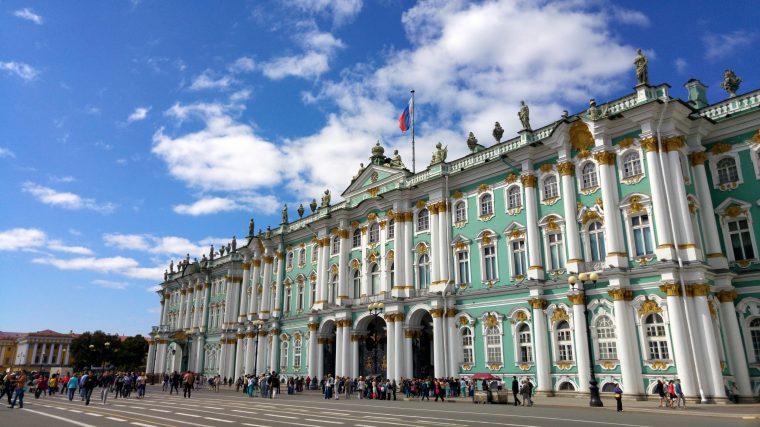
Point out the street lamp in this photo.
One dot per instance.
(107, 348)
(257, 325)
(375, 310)
(595, 401)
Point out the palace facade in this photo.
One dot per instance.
(35, 351)
(655, 198)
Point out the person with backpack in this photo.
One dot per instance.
(619, 397)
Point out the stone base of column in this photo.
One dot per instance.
(617, 259)
(574, 266)
(439, 286)
(745, 399)
(264, 315)
(690, 254)
(638, 397)
(536, 272)
(242, 319)
(666, 251)
(343, 301)
(400, 291)
(318, 306)
(717, 261)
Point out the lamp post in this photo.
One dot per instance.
(257, 325)
(92, 354)
(595, 400)
(375, 310)
(107, 348)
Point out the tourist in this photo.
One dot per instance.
(671, 394)
(19, 390)
(619, 397)
(71, 386)
(142, 379)
(165, 382)
(679, 394)
(175, 380)
(105, 382)
(515, 390)
(659, 389)
(188, 380)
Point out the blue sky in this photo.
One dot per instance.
(134, 132)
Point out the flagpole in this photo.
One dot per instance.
(414, 167)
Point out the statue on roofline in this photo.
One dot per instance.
(396, 160)
(731, 83)
(285, 214)
(439, 155)
(498, 132)
(524, 115)
(326, 199)
(642, 68)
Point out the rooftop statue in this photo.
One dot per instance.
(593, 110)
(268, 233)
(312, 206)
(642, 68)
(234, 244)
(250, 228)
(524, 115)
(731, 83)
(472, 144)
(300, 211)
(166, 275)
(326, 199)
(359, 172)
(171, 266)
(285, 214)
(229, 247)
(497, 133)
(439, 155)
(211, 253)
(221, 251)
(396, 160)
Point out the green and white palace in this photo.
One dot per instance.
(621, 239)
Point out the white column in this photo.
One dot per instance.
(399, 256)
(312, 368)
(322, 274)
(261, 364)
(68, 351)
(200, 354)
(253, 301)
(665, 244)
(569, 204)
(407, 248)
(239, 357)
(274, 352)
(163, 309)
(243, 309)
(34, 354)
(439, 367)
(43, 356)
(383, 263)
(320, 358)
(627, 343)
(535, 269)
(712, 249)
(151, 358)
(581, 341)
(444, 242)
(354, 356)
(346, 367)
(613, 226)
(181, 310)
(398, 345)
(434, 245)
(339, 350)
(453, 349)
(707, 331)
(58, 356)
(204, 315)
(189, 310)
(408, 368)
(686, 242)
(540, 335)
(277, 309)
(343, 270)
(682, 349)
(250, 349)
(365, 265)
(390, 340)
(161, 349)
(735, 348)
(266, 285)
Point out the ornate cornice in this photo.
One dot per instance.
(566, 169)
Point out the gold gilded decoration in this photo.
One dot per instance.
(313, 327)
(625, 143)
(648, 307)
(635, 205)
(605, 157)
(528, 180)
(373, 192)
(451, 312)
(599, 202)
(755, 138)
(671, 289)
(673, 143)
(516, 233)
(390, 255)
(699, 290)
(566, 169)
(464, 321)
(268, 259)
(713, 309)
(334, 268)
(372, 257)
(726, 296)
(521, 316)
(564, 366)
(546, 167)
(460, 245)
(576, 299)
(457, 194)
(649, 144)
(354, 263)
(246, 266)
(371, 216)
(466, 367)
(620, 294)
(608, 365)
(524, 366)
(590, 215)
(537, 303)
(551, 224)
(735, 210)
(494, 366)
(719, 148)
(658, 365)
(511, 178)
(491, 321)
(354, 224)
(584, 154)
(698, 158)
(559, 315)
(482, 188)
(420, 204)
(436, 312)
(692, 207)
(580, 137)
(422, 249)
(364, 230)
(486, 238)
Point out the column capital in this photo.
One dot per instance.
(671, 289)
(313, 327)
(620, 294)
(537, 303)
(698, 290)
(726, 296)
(451, 312)
(698, 158)
(566, 168)
(256, 262)
(673, 143)
(605, 158)
(649, 144)
(576, 298)
(436, 312)
(246, 266)
(528, 180)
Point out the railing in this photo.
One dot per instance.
(731, 106)
(621, 104)
(414, 293)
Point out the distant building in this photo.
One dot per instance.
(35, 351)
(651, 201)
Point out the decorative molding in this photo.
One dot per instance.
(698, 158)
(726, 296)
(719, 148)
(649, 307)
(620, 294)
(605, 158)
(649, 144)
(580, 136)
(673, 143)
(537, 303)
(511, 178)
(529, 181)
(436, 312)
(559, 314)
(566, 169)
(546, 167)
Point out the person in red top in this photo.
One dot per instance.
(672, 393)
(65, 382)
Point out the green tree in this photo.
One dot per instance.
(94, 349)
(132, 354)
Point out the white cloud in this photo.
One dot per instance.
(168, 246)
(4, 152)
(110, 284)
(29, 15)
(244, 64)
(21, 239)
(206, 80)
(630, 17)
(225, 155)
(680, 65)
(57, 246)
(725, 45)
(66, 179)
(140, 113)
(24, 71)
(107, 265)
(207, 206)
(319, 48)
(341, 11)
(65, 200)
(153, 289)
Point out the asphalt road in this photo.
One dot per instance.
(209, 409)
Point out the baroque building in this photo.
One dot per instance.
(474, 260)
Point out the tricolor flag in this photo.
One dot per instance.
(405, 119)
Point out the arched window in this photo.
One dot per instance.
(632, 164)
(550, 187)
(391, 229)
(608, 387)
(596, 241)
(284, 355)
(526, 343)
(468, 355)
(289, 264)
(657, 341)
(490, 271)
(374, 233)
(605, 338)
(423, 220)
(356, 240)
(375, 279)
(299, 302)
(566, 386)
(741, 240)
(486, 205)
(493, 345)
(589, 178)
(313, 292)
(288, 298)
(642, 235)
(297, 346)
(564, 342)
(334, 247)
(423, 271)
(754, 334)
(357, 284)
(514, 198)
(460, 212)
(302, 257)
(727, 171)
(333, 289)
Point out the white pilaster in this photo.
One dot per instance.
(540, 335)
(320, 359)
(627, 343)
(444, 246)
(398, 345)
(243, 309)
(434, 251)
(440, 366)
(399, 256)
(253, 301)
(390, 340)
(354, 356)
(343, 269)
(535, 269)
(453, 347)
(366, 287)
(345, 363)
(665, 244)
(312, 368)
(204, 315)
(408, 367)
(250, 351)
(408, 253)
(339, 350)
(682, 349)
(686, 243)
(199, 353)
(266, 284)
(569, 204)
(274, 351)
(734, 347)
(713, 251)
(711, 355)
(239, 358)
(613, 226)
(581, 341)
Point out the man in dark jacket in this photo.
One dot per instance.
(89, 386)
(515, 390)
(175, 383)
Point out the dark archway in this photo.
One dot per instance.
(328, 348)
(373, 360)
(422, 348)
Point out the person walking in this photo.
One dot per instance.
(515, 390)
(165, 383)
(89, 386)
(71, 386)
(659, 389)
(619, 397)
(175, 380)
(679, 394)
(188, 380)
(105, 382)
(142, 379)
(20, 388)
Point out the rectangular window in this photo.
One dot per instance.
(556, 251)
(489, 259)
(519, 262)
(463, 266)
(607, 350)
(642, 235)
(493, 342)
(741, 240)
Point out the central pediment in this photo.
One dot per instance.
(375, 178)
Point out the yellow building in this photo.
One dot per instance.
(45, 350)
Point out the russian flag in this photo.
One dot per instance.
(405, 119)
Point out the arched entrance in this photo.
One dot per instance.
(373, 359)
(421, 327)
(327, 338)
(176, 357)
